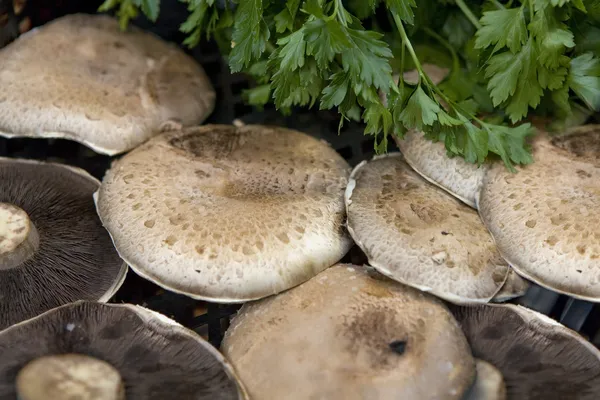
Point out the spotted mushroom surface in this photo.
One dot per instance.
(156, 358)
(80, 77)
(349, 333)
(545, 219)
(419, 235)
(228, 213)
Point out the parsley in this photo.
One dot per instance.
(508, 59)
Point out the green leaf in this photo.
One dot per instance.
(250, 34)
(378, 119)
(335, 93)
(299, 87)
(560, 98)
(504, 70)
(474, 141)
(529, 91)
(325, 40)
(551, 34)
(420, 110)
(403, 8)
(258, 96)
(292, 52)
(584, 79)
(502, 28)
(363, 8)
(150, 8)
(457, 28)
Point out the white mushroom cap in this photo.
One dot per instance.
(515, 286)
(347, 334)
(545, 219)
(421, 236)
(80, 78)
(538, 357)
(489, 384)
(228, 213)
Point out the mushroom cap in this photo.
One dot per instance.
(227, 213)
(582, 141)
(545, 219)
(453, 174)
(156, 357)
(75, 259)
(515, 286)
(489, 384)
(538, 357)
(421, 236)
(79, 77)
(349, 334)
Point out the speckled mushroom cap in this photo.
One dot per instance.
(514, 286)
(227, 213)
(349, 334)
(155, 357)
(582, 141)
(419, 235)
(79, 77)
(545, 218)
(453, 174)
(489, 384)
(538, 357)
(53, 248)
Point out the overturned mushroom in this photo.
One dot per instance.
(53, 248)
(349, 334)
(94, 351)
(538, 357)
(80, 78)
(421, 236)
(545, 220)
(227, 213)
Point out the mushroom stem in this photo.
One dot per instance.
(19, 238)
(69, 376)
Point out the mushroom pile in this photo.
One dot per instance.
(264, 216)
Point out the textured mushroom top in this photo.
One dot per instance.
(453, 174)
(226, 213)
(545, 219)
(74, 259)
(349, 334)
(538, 357)
(81, 78)
(582, 141)
(156, 358)
(419, 235)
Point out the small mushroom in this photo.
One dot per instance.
(228, 213)
(79, 77)
(349, 334)
(53, 248)
(514, 287)
(489, 384)
(545, 220)
(538, 357)
(421, 236)
(93, 351)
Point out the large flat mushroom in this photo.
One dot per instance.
(93, 351)
(348, 334)
(421, 236)
(545, 218)
(228, 213)
(80, 78)
(538, 357)
(53, 248)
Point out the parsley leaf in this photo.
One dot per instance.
(502, 28)
(584, 79)
(250, 34)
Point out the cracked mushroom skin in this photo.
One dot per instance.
(538, 357)
(53, 248)
(81, 78)
(349, 334)
(225, 213)
(421, 236)
(107, 346)
(544, 218)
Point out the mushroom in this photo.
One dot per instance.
(53, 248)
(349, 333)
(514, 287)
(419, 235)
(544, 219)
(226, 213)
(489, 384)
(538, 357)
(80, 78)
(88, 350)
(582, 141)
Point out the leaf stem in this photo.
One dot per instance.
(444, 42)
(406, 42)
(468, 13)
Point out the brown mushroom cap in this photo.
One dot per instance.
(80, 78)
(538, 357)
(513, 287)
(228, 213)
(582, 141)
(489, 384)
(57, 250)
(349, 334)
(545, 219)
(156, 358)
(421, 236)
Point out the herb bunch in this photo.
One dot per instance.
(507, 60)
